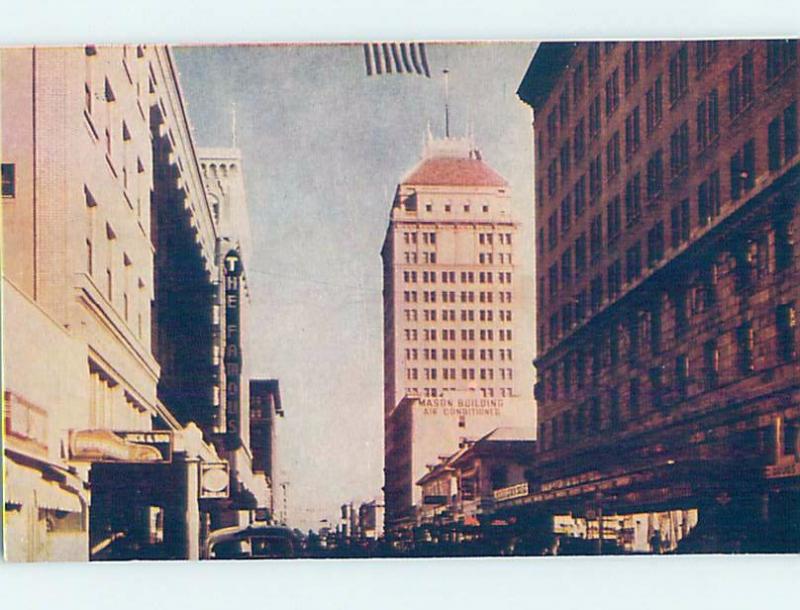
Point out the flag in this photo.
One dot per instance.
(396, 58)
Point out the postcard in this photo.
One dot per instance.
(400, 299)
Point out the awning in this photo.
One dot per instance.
(27, 486)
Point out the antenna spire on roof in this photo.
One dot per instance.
(446, 73)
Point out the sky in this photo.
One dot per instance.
(323, 148)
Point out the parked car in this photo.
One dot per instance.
(253, 542)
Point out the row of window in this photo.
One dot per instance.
(742, 173)
(432, 392)
(588, 416)
(504, 354)
(741, 79)
(467, 315)
(410, 205)
(466, 296)
(432, 374)
(449, 334)
(752, 262)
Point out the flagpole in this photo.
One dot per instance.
(446, 73)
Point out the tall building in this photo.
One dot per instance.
(453, 315)
(667, 274)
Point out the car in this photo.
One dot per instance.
(253, 542)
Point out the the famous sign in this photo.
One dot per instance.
(107, 446)
(233, 357)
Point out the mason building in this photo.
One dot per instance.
(454, 315)
(667, 271)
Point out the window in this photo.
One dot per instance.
(566, 267)
(109, 285)
(705, 53)
(633, 204)
(682, 374)
(563, 107)
(743, 169)
(633, 337)
(678, 74)
(711, 364)
(780, 154)
(579, 140)
(631, 66)
(633, 262)
(595, 178)
(579, 194)
(651, 49)
(780, 55)
(656, 387)
(9, 185)
(593, 55)
(680, 217)
(596, 237)
(655, 244)
(708, 199)
(655, 175)
(564, 156)
(552, 231)
(707, 120)
(786, 321)
(612, 93)
(613, 409)
(613, 220)
(654, 105)
(553, 279)
(577, 84)
(633, 397)
(614, 279)
(681, 304)
(596, 292)
(566, 214)
(89, 257)
(784, 245)
(632, 136)
(679, 150)
(552, 177)
(580, 254)
(741, 85)
(612, 155)
(551, 128)
(594, 117)
(744, 347)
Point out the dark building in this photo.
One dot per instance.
(265, 407)
(667, 276)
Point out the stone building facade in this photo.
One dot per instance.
(667, 273)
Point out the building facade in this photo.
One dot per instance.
(453, 314)
(667, 274)
(111, 284)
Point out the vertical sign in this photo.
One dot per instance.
(232, 358)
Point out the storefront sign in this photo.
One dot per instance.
(779, 471)
(509, 493)
(215, 479)
(107, 446)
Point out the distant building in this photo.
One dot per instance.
(265, 408)
(454, 315)
(371, 520)
(462, 487)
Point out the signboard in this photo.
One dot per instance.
(461, 407)
(509, 493)
(109, 446)
(779, 471)
(232, 357)
(215, 480)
